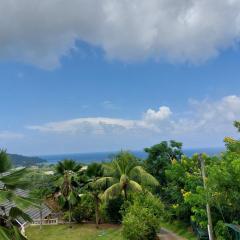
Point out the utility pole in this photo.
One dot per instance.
(210, 227)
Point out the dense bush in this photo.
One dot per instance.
(221, 231)
(113, 208)
(85, 210)
(142, 218)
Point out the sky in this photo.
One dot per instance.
(92, 76)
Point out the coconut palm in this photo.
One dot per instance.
(125, 174)
(10, 181)
(67, 171)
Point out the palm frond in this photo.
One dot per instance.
(67, 165)
(15, 179)
(145, 178)
(17, 234)
(5, 195)
(103, 182)
(72, 198)
(5, 233)
(16, 212)
(114, 190)
(23, 202)
(61, 200)
(134, 186)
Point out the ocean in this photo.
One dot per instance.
(87, 158)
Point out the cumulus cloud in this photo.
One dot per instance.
(99, 125)
(41, 32)
(203, 118)
(154, 116)
(6, 135)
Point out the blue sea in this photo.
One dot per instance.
(107, 156)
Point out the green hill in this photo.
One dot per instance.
(20, 160)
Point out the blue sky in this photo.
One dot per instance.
(90, 94)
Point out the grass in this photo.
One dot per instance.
(77, 232)
(179, 229)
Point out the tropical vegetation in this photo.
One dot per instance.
(138, 195)
(10, 181)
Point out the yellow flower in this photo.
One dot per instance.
(186, 194)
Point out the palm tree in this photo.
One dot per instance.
(95, 172)
(67, 171)
(10, 181)
(125, 174)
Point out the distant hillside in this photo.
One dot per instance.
(19, 160)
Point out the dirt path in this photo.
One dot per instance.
(168, 235)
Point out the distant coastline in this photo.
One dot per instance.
(106, 156)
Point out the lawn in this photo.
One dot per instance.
(77, 232)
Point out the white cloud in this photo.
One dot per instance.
(96, 125)
(154, 116)
(6, 135)
(211, 117)
(204, 118)
(41, 32)
(99, 125)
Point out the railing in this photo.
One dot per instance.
(45, 221)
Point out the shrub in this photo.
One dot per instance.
(85, 210)
(112, 209)
(140, 224)
(142, 219)
(221, 231)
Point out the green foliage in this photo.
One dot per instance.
(237, 125)
(139, 224)
(68, 165)
(221, 231)
(142, 218)
(125, 174)
(160, 157)
(113, 207)
(85, 209)
(42, 186)
(11, 181)
(68, 173)
(182, 180)
(224, 186)
(5, 162)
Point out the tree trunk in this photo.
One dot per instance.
(125, 193)
(97, 211)
(69, 215)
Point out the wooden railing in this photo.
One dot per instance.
(45, 221)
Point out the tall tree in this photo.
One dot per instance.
(95, 172)
(160, 157)
(125, 174)
(67, 170)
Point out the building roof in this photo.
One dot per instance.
(32, 211)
